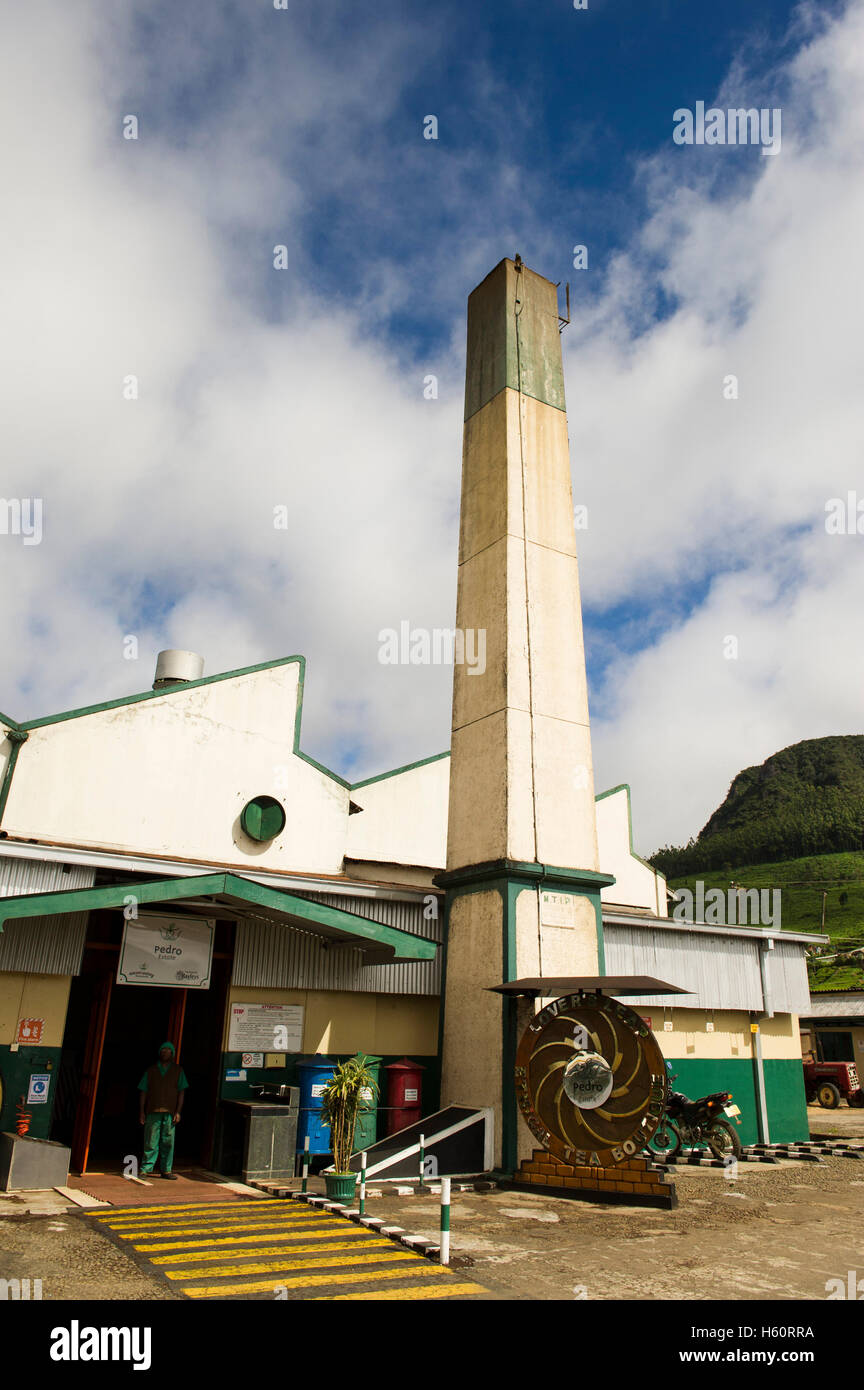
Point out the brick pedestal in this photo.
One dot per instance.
(632, 1182)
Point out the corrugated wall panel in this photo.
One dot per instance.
(43, 945)
(718, 972)
(787, 978)
(285, 958)
(41, 876)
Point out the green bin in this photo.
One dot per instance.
(366, 1128)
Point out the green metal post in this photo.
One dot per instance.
(444, 1241)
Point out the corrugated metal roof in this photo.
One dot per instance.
(847, 1004)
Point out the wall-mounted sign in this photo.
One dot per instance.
(37, 1093)
(30, 1030)
(266, 1028)
(558, 909)
(252, 1059)
(166, 951)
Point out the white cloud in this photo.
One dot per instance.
(683, 485)
(123, 258)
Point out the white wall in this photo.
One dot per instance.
(636, 885)
(404, 817)
(170, 775)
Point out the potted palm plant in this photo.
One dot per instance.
(351, 1087)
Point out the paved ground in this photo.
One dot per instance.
(842, 1123)
(775, 1233)
(126, 1192)
(73, 1261)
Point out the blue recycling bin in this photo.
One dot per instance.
(313, 1077)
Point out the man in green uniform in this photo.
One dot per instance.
(161, 1090)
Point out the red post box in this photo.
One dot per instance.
(404, 1094)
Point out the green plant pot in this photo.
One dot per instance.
(340, 1186)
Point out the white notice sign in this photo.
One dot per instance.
(172, 951)
(266, 1028)
(558, 909)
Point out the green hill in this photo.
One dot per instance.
(802, 883)
(795, 823)
(807, 799)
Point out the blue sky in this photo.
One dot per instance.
(567, 101)
(303, 387)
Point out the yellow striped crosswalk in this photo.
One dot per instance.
(273, 1248)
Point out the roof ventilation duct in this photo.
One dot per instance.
(177, 668)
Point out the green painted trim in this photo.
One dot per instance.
(601, 943)
(169, 691)
(509, 1040)
(228, 886)
(506, 349)
(409, 767)
(16, 737)
(531, 872)
(509, 886)
(10, 723)
(625, 787)
(165, 693)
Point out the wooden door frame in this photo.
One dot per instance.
(91, 1070)
(176, 1019)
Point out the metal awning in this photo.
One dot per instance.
(555, 987)
(231, 895)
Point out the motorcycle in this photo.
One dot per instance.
(694, 1123)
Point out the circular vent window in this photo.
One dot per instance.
(263, 818)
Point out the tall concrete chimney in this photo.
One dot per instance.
(523, 882)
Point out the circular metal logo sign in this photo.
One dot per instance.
(590, 1080)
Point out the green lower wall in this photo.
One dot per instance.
(787, 1104)
(784, 1090)
(16, 1068)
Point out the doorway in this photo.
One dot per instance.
(112, 1035)
(836, 1046)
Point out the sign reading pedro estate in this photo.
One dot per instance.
(176, 952)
